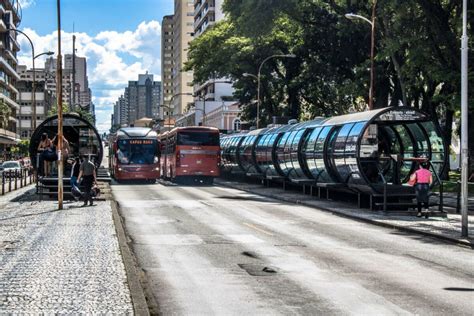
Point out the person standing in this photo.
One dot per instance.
(423, 179)
(75, 171)
(87, 171)
(45, 150)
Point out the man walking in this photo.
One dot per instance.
(87, 171)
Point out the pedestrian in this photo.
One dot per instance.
(422, 179)
(87, 172)
(76, 166)
(45, 149)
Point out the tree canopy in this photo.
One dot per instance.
(417, 56)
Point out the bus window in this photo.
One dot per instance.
(198, 139)
(137, 151)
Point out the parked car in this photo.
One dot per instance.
(9, 167)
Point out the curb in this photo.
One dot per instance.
(140, 306)
(458, 242)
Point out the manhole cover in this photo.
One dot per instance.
(258, 269)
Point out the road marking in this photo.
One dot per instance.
(258, 229)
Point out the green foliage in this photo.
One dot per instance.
(417, 51)
(66, 109)
(5, 112)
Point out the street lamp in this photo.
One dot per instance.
(464, 124)
(258, 79)
(352, 16)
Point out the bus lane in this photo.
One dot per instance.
(215, 250)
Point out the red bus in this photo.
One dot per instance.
(191, 152)
(134, 154)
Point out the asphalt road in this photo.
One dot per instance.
(219, 251)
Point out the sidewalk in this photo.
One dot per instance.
(59, 262)
(448, 228)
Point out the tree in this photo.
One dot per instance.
(5, 112)
(417, 56)
(66, 109)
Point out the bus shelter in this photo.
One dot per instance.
(364, 151)
(82, 136)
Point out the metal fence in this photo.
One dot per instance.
(16, 179)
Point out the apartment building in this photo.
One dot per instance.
(144, 98)
(218, 92)
(183, 29)
(82, 93)
(44, 99)
(9, 107)
(167, 62)
(120, 116)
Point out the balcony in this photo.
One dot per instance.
(8, 137)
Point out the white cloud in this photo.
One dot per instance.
(26, 3)
(113, 58)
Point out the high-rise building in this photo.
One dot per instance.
(9, 19)
(167, 62)
(215, 93)
(143, 98)
(82, 93)
(120, 112)
(44, 99)
(183, 29)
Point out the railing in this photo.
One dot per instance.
(16, 179)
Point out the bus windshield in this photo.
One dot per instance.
(137, 151)
(198, 139)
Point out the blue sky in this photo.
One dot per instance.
(120, 38)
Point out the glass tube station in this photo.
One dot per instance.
(360, 151)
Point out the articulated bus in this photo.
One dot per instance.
(135, 154)
(191, 152)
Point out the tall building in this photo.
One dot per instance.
(50, 67)
(167, 62)
(143, 98)
(10, 19)
(120, 112)
(183, 29)
(44, 99)
(215, 93)
(82, 93)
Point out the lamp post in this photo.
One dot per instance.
(258, 79)
(464, 124)
(352, 16)
(33, 57)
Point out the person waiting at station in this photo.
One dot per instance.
(422, 179)
(65, 146)
(87, 172)
(47, 154)
(76, 165)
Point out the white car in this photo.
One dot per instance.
(11, 166)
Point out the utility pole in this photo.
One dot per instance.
(73, 104)
(464, 123)
(59, 80)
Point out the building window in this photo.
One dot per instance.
(237, 125)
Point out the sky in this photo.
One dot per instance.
(119, 38)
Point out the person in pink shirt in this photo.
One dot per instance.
(423, 179)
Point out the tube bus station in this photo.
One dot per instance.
(371, 154)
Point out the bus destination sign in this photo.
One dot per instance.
(141, 142)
